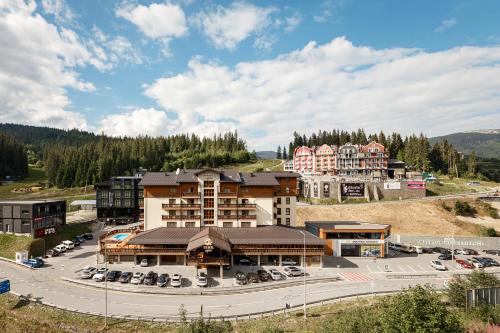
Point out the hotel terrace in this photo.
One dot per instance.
(211, 217)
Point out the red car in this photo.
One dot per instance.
(465, 264)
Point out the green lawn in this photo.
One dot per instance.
(258, 165)
(10, 244)
(445, 186)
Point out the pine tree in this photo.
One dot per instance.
(472, 164)
(285, 155)
(278, 153)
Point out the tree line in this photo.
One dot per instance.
(13, 158)
(414, 150)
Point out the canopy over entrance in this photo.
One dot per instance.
(208, 239)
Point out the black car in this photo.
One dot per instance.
(113, 276)
(88, 236)
(241, 278)
(441, 250)
(246, 262)
(471, 252)
(80, 238)
(492, 252)
(125, 277)
(53, 253)
(76, 241)
(162, 280)
(150, 278)
(491, 262)
(445, 256)
(263, 275)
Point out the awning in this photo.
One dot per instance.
(209, 237)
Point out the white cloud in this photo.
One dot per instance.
(60, 10)
(446, 24)
(338, 85)
(137, 122)
(38, 65)
(226, 27)
(330, 10)
(114, 50)
(161, 22)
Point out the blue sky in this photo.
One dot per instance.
(264, 68)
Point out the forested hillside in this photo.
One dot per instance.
(13, 158)
(415, 151)
(77, 158)
(485, 144)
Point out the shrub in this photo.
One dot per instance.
(463, 208)
(459, 285)
(445, 206)
(488, 232)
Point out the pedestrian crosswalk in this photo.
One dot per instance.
(353, 276)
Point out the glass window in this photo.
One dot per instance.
(246, 224)
(287, 221)
(171, 224)
(208, 183)
(278, 220)
(288, 211)
(172, 189)
(287, 200)
(190, 224)
(278, 200)
(227, 224)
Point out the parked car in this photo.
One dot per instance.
(288, 262)
(441, 250)
(75, 241)
(492, 252)
(484, 262)
(471, 252)
(113, 276)
(246, 262)
(100, 274)
(144, 263)
(241, 278)
(150, 278)
(176, 280)
(465, 264)
(202, 280)
(275, 274)
(88, 272)
(60, 248)
(476, 263)
(33, 263)
(69, 244)
(80, 238)
(461, 251)
(491, 262)
(427, 250)
(293, 271)
(444, 256)
(125, 277)
(162, 280)
(227, 267)
(137, 278)
(52, 253)
(438, 265)
(253, 277)
(263, 275)
(88, 236)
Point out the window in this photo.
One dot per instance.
(127, 203)
(208, 192)
(118, 194)
(117, 202)
(25, 211)
(279, 201)
(227, 201)
(287, 190)
(171, 201)
(227, 224)
(227, 213)
(208, 214)
(246, 224)
(171, 212)
(227, 190)
(171, 224)
(287, 221)
(127, 194)
(287, 200)
(288, 211)
(190, 224)
(208, 184)
(278, 220)
(208, 203)
(279, 211)
(172, 189)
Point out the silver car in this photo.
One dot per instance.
(88, 272)
(137, 278)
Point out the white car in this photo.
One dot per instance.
(202, 280)
(176, 280)
(88, 272)
(476, 263)
(144, 263)
(137, 278)
(100, 274)
(69, 244)
(288, 262)
(293, 271)
(438, 265)
(275, 274)
(61, 248)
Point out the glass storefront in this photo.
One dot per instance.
(354, 250)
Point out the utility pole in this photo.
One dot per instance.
(305, 273)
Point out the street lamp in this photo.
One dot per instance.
(305, 271)
(106, 280)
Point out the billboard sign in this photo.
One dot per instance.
(392, 185)
(44, 232)
(4, 286)
(416, 185)
(355, 190)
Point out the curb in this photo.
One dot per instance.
(13, 262)
(199, 291)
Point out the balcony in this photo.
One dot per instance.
(227, 217)
(210, 261)
(247, 205)
(247, 217)
(171, 217)
(191, 194)
(227, 194)
(223, 205)
(171, 206)
(188, 206)
(191, 217)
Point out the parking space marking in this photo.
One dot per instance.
(411, 268)
(421, 268)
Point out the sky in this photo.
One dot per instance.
(263, 68)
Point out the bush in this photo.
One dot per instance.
(445, 206)
(488, 232)
(459, 285)
(463, 208)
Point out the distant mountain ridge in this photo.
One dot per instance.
(266, 154)
(486, 143)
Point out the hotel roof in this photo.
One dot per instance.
(226, 176)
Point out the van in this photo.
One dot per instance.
(69, 244)
(61, 248)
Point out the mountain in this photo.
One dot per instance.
(486, 143)
(266, 154)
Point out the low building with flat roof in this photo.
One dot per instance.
(352, 238)
(36, 218)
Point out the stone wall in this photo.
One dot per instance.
(477, 243)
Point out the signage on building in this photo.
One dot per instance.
(416, 185)
(4, 286)
(392, 185)
(44, 232)
(208, 246)
(363, 241)
(352, 189)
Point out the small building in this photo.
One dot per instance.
(288, 166)
(36, 218)
(396, 169)
(352, 239)
(83, 204)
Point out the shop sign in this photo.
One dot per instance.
(363, 241)
(392, 185)
(44, 232)
(416, 185)
(208, 246)
(352, 189)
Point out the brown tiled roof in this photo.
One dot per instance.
(259, 179)
(264, 235)
(339, 225)
(218, 239)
